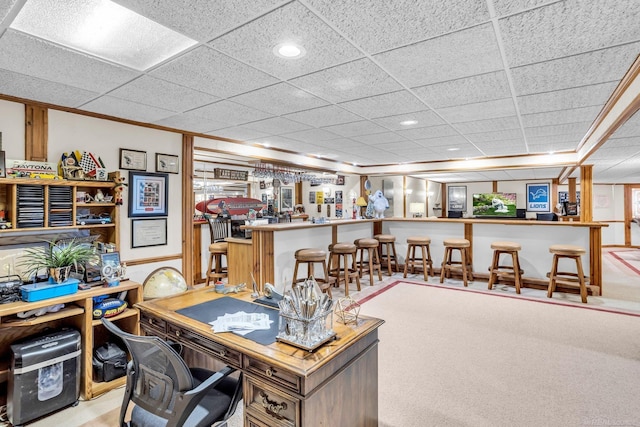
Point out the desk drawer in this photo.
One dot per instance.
(152, 325)
(267, 405)
(198, 342)
(272, 374)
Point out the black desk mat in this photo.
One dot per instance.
(209, 311)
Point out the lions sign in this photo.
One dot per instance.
(538, 198)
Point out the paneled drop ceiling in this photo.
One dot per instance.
(481, 79)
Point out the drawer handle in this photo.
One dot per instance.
(177, 333)
(222, 353)
(151, 321)
(272, 407)
(269, 372)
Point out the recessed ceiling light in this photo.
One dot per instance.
(289, 51)
(409, 122)
(453, 149)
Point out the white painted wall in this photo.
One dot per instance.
(12, 128)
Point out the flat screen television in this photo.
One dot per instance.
(494, 205)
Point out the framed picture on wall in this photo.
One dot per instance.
(3, 170)
(133, 159)
(148, 194)
(167, 163)
(538, 199)
(286, 199)
(457, 198)
(148, 232)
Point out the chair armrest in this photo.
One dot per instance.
(210, 382)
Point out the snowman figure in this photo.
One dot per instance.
(380, 203)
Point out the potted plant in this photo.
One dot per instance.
(56, 258)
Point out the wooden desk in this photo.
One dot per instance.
(337, 385)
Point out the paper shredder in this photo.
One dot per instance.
(44, 375)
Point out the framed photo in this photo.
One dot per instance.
(538, 199)
(286, 199)
(148, 193)
(167, 163)
(3, 170)
(340, 180)
(148, 232)
(133, 159)
(457, 198)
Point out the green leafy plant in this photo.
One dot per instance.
(55, 255)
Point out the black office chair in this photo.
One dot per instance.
(168, 393)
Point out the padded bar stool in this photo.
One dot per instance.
(372, 263)
(463, 265)
(411, 260)
(567, 278)
(387, 251)
(216, 270)
(509, 248)
(311, 256)
(342, 251)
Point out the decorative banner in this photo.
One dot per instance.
(538, 198)
(319, 197)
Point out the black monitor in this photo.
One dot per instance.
(546, 216)
(454, 214)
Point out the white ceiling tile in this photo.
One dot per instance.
(424, 118)
(385, 105)
(5, 8)
(398, 146)
(276, 126)
(191, 122)
(630, 128)
(253, 43)
(571, 139)
(567, 116)
(353, 80)
(508, 7)
(380, 138)
(30, 56)
(324, 116)
(195, 17)
(468, 90)
(279, 142)
(126, 109)
(567, 28)
(229, 112)
(312, 135)
(503, 148)
(616, 153)
(578, 129)
(497, 136)
(601, 66)
(488, 125)
(428, 132)
(552, 147)
(162, 94)
(208, 71)
(378, 25)
(241, 133)
(445, 141)
(20, 85)
(460, 54)
(478, 111)
(279, 99)
(363, 127)
(566, 99)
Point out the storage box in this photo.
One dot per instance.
(39, 291)
(44, 375)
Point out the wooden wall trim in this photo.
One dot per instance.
(188, 203)
(36, 132)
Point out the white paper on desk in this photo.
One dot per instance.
(241, 322)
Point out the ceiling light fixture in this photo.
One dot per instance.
(409, 122)
(289, 51)
(453, 149)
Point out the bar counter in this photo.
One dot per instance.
(274, 245)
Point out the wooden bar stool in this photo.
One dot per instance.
(311, 256)
(512, 271)
(463, 265)
(425, 259)
(342, 251)
(387, 251)
(216, 270)
(372, 263)
(567, 278)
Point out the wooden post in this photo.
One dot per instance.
(188, 208)
(586, 193)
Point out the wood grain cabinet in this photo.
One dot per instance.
(78, 314)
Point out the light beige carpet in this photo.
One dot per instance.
(458, 358)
